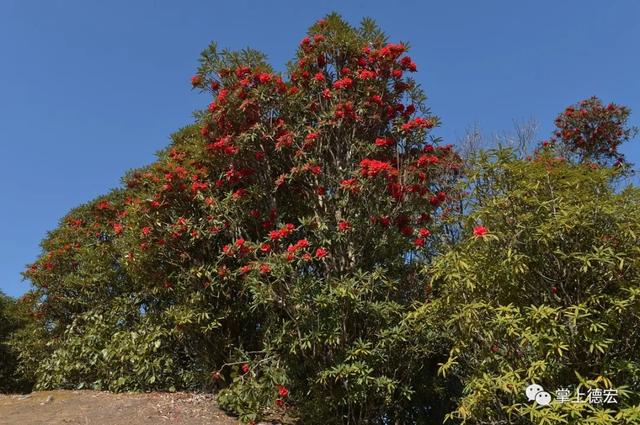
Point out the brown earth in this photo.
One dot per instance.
(104, 408)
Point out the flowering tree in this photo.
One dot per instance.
(593, 132)
(272, 249)
(543, 290)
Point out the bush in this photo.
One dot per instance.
(12, 319)
(545, 290)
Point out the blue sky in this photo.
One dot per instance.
(90, 89)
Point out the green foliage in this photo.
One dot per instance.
(258, 386)
(13, 318)
(549, 295)
(118, 349)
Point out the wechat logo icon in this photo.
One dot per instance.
(536, 393)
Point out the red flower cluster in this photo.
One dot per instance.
(301, 244)
(283, 232)
(480, 231)
(223, 145)
(427, 160)
(265, 268)
(283, 391)
(384, 141)
(350, 185)
(418, 123)
(373, 167)
(344, 225)
(343, 83)
(408, 64)
(103, 205)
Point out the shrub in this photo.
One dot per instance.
(12, 319)
(544, 290)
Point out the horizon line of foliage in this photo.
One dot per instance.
(309, 248)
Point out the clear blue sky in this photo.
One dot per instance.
(89, 89)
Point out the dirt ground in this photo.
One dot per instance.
(103, 408)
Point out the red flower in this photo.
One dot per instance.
(343, 83)
(407, 63)
(419, 242)
(321, 252)
(242, 71)
(104, 205)
(237, 194)
(344, 225)
(315, 169)
(245, 367)
(302, 243)
(384, 141)
(197, 186)
(427, 160)
(424, 232)
(264, 268)
(265, 247)
(349, 184)
(418, 123)
(240, 242)
(319, 76)
(146, 230)
(279, 402)
(406, 230)
(264, 77)
(282, 391)
(376, 98)
(274, 235)
(196, 80)
(365, 74)
(480, 231)
(117, 228)
(373, 167)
